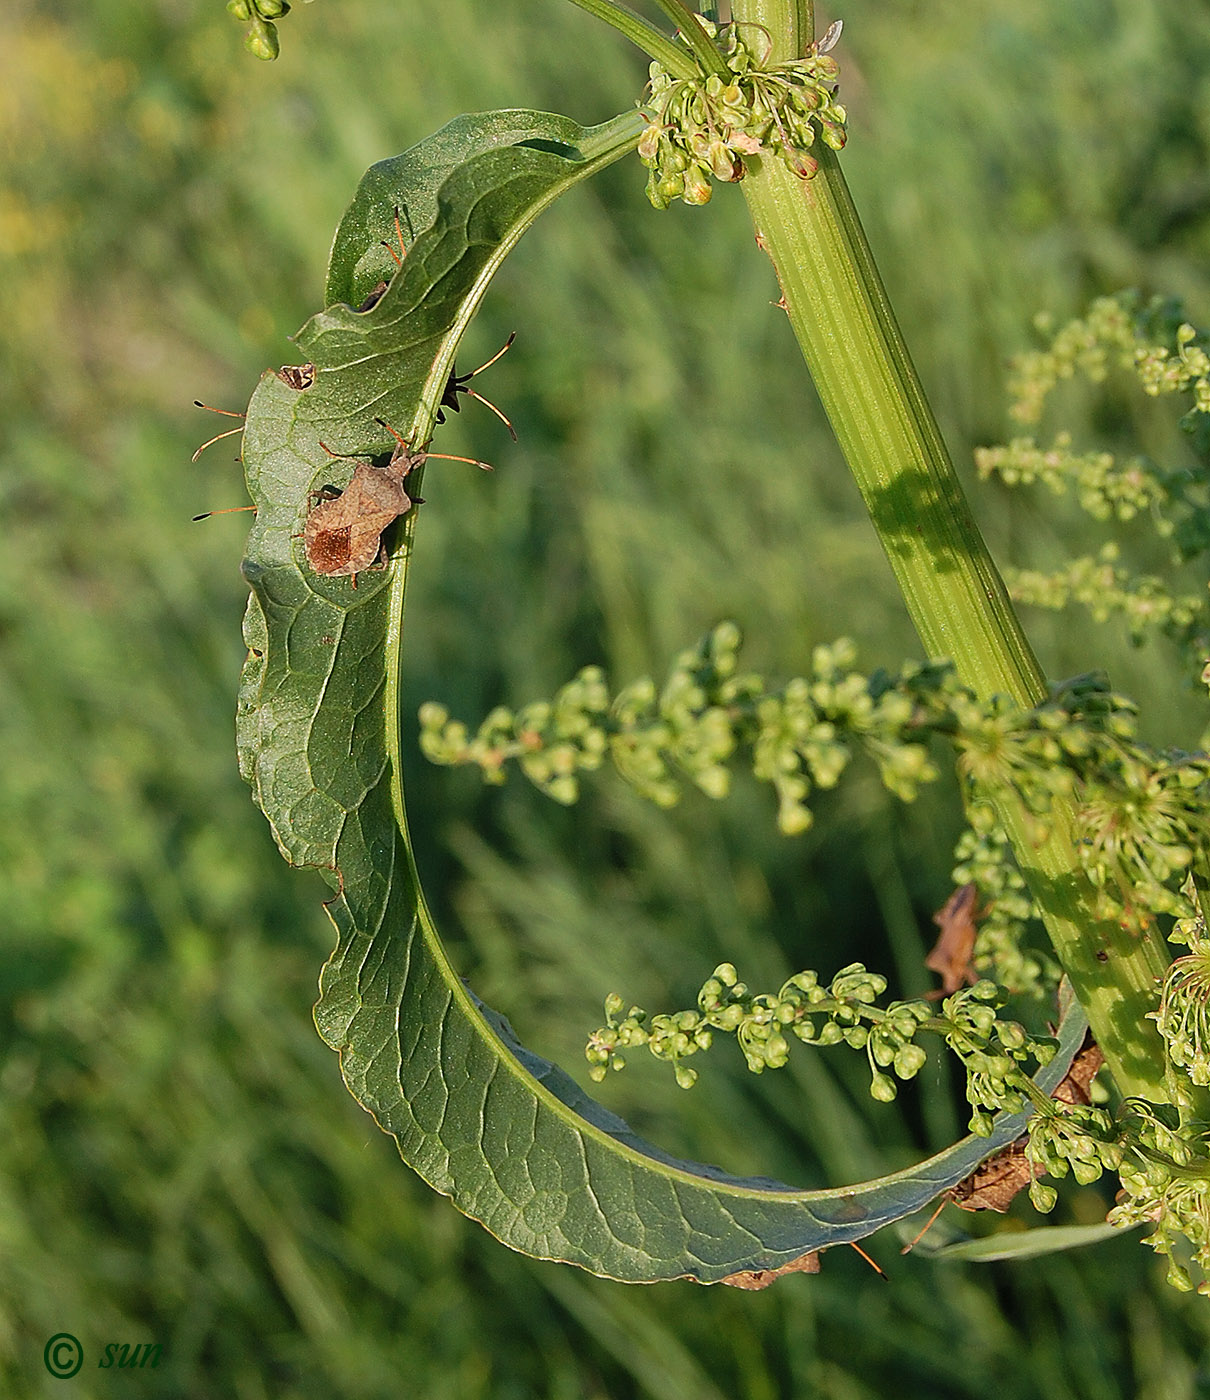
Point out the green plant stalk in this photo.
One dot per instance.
(842, 319)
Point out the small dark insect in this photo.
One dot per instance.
(457, 384)
(298, 377)
(343, 529)
(372, 299)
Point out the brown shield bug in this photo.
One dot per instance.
(343, 530)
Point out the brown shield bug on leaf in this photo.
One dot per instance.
(343, 530)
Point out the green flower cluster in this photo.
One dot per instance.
(1098, 584)
(1103, 489)
(1161, 1153)
(800, 738)
(1167, 356)
(703, 128)
(1184, 1013)
(1142, 818)
(551, 740)
(996, 1054)
(1105, 337)
(1187, 368)
(1162, 349)
(1165, 1176)
(1141, 827)
(1079, 1139)
(260, 38)
(1164, 1164)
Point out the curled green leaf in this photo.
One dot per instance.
(511, 1138)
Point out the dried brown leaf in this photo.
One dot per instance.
(754, 1279)
(994, 1183)
(951, 955)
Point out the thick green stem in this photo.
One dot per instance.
(841, 316)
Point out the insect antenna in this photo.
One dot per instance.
(487, 403)
(470, 461)
(925, 1228)
(423, 456)
(487, 364)
(390, 247)
(230, 510)
(880, 1272)
(227, 413)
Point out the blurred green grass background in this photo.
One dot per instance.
(178, 1159)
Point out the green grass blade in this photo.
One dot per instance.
(1025, 1244)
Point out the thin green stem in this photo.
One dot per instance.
(1201, 888)
(654, 42)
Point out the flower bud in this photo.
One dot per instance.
(1042, 1197)
(882, 1088)
(909, 1060)
(697, 186)
(261, 39)
(649, 142)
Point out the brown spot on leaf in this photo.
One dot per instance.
(994, 1184)
(1076, 1085)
